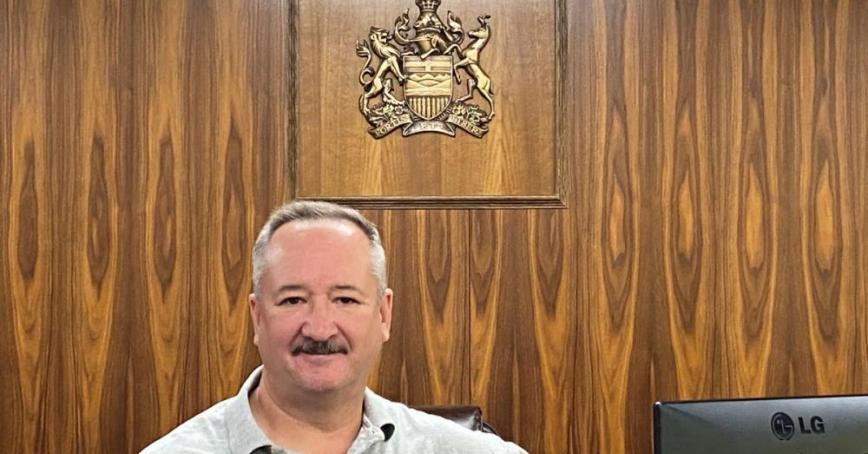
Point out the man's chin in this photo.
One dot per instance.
(318, 384)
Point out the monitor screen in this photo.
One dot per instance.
(802, 425)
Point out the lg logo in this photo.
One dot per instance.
(784, 427)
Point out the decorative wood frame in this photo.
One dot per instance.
(555, 200)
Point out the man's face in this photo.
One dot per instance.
(318, 322)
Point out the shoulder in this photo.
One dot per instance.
(417, 431)
(203, 433)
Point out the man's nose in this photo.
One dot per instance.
(319, 322)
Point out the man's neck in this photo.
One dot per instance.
(322, 423)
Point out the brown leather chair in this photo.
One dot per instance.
(468, 416)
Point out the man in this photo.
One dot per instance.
(321, 312)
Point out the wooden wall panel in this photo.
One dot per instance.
(751, 213)
(523, 78)
(714, 244)
(687, 196)
(25, 261)
(827, 239)
(586, 61)
(612, 144)
(501, 335)
(717, 135)
(856, 132)
(523, 324)
(427, 359)
(133, 177)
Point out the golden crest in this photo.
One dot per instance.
(413, 76)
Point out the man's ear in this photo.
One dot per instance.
(386, 314)
(254, 316)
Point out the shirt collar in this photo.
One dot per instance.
(377, 415)
(245, 435)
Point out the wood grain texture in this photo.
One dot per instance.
(24, 265)
(427, 359)
(129, 129)
(717, 134)
(714, 242)
(856, 165)
(337, 159)
(523, 324)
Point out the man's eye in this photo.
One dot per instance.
(292, 301)
(347, 300)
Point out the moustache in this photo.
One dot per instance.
(315, 347)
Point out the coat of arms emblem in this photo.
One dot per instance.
(413, 75)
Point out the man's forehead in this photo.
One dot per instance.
(341, 227)
(318, 236)
(333, 251)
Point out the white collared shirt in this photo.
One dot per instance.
(387, 427)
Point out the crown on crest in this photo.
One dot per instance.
(428, 6)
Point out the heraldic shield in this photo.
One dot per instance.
(428, 89)
(422, 61)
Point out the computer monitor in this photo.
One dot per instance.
(801, 425)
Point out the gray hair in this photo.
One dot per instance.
(312, 211)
